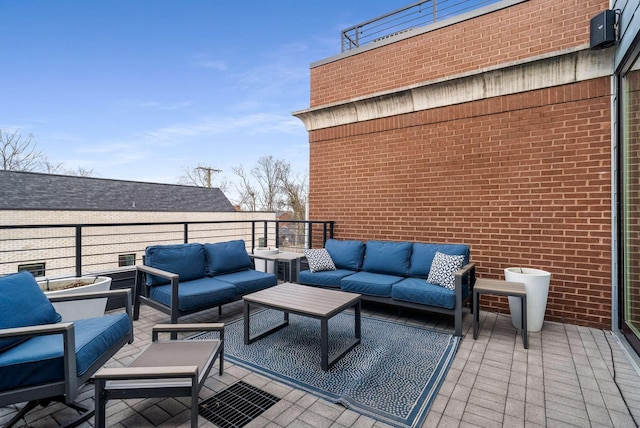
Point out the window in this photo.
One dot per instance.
(36, 269)
(126, 260)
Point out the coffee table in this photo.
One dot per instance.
(306, 301)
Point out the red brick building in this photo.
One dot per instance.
(495, 130)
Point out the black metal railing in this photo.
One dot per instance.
(404, 19)
(79, 249)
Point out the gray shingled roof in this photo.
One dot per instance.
(35, 191)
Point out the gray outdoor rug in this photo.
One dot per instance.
(393, 375)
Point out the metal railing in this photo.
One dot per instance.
(80, 249)
(404, 19)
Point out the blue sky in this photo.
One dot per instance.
(141, 89)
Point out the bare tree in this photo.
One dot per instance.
(245, 189)
(19, 153)
(202, 176)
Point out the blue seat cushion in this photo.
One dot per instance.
(23, 303)
(391, 258)
(345, 254)
(371, 284)
(327, 278)
(185, 260)
(422, 256)
(197, 294)
(39, 359)
(248, 281)
(418, 290)
(226, 257)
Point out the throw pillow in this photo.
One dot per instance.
(443, 269)
(319, 260)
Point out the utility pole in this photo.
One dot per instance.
(208, 170)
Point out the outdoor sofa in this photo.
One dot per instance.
(182, 279)
(426, 276)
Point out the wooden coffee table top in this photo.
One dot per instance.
(304, 299)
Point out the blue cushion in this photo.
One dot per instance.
(23, 303)
(225, 257)
(371, 284)
(345, 254)
(185, 260)
(422, 256)
(248, 281)
(391, 258)
(196, 294)
(40, 359)
(417, 290)
(328, 278)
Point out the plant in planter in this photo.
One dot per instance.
(71, 310)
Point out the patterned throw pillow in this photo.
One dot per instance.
(443, 269)
(319, 260)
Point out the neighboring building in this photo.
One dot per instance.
(498, 128)
(29, 199)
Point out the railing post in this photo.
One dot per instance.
(186, 233)
(310, 234)
(265, 235)
(253, 235)
(277, 234)
(78, 250)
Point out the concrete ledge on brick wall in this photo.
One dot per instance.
(543, 72)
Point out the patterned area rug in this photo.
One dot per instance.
(393, 375)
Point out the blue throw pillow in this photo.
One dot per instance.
(227, 257)
(345, 254)
(22, 304)
(390, 258)
(185, 260)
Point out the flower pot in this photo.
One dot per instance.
(265, 265)
(73, 310)
(536, 282)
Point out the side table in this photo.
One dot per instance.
(288, 257)
(500, 288)
(166, 368)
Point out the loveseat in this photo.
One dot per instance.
(182, 279)
(431, 277)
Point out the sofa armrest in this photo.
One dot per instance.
(157, 272)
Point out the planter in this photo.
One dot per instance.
(264, 265)
(72, 310)
(536, 282)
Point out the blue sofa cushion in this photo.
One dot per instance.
(345, 254)
(371, 284)
(248, 281)
(40, 359)
(391, 258)
(23, 303)
(185, 260)
(422, 256)
(417, 290)
(226, 257)
(328, 278)
(196, 294)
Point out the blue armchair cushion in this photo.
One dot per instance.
(345, 254)
(23, 303)
(196, 294)
(422, 256)
(443, 270)
(390, 258)
(185, 260)
(227, 257)
(40, 359)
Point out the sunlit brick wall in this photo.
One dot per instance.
(524, 179)
(525, 30)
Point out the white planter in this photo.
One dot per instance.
(71, 311)
(265, 265)
(536, 282)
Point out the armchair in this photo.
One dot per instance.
(43, 359)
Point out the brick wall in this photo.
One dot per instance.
(525, 30)
(525, 179)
